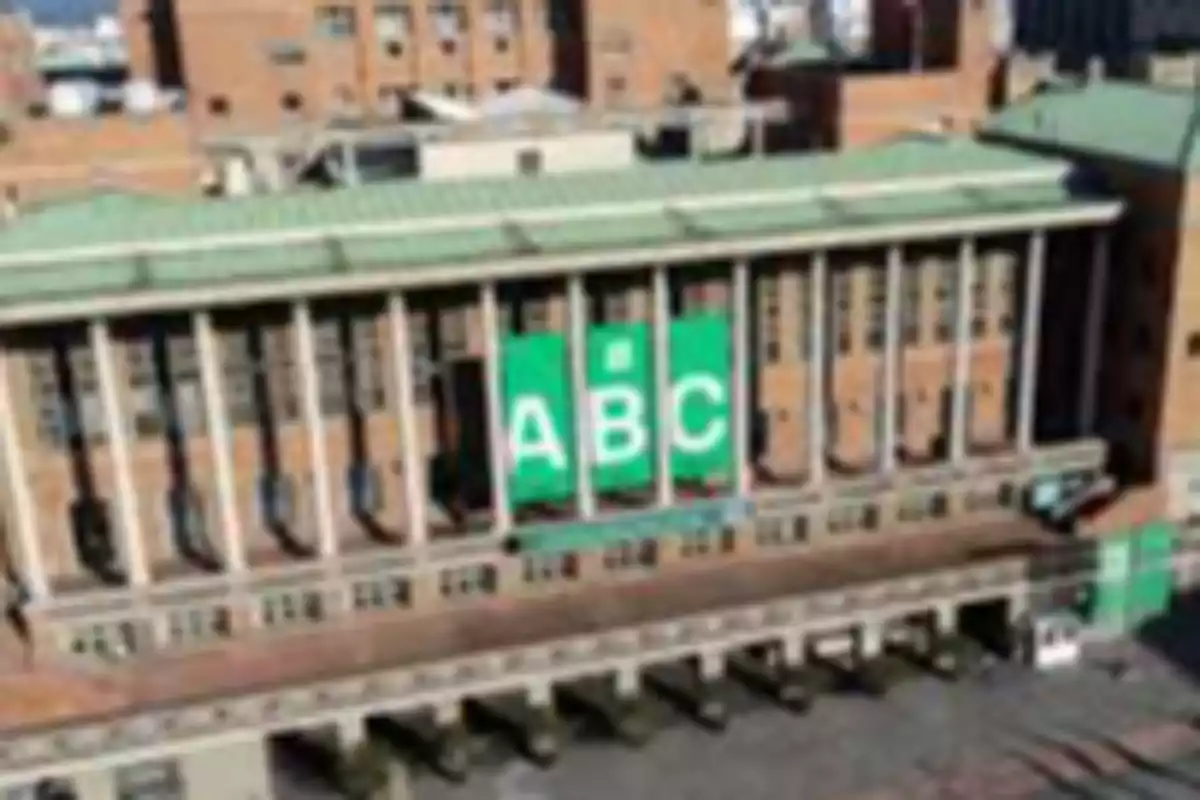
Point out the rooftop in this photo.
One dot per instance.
(113, 242)
(1155, 126)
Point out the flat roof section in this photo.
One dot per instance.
(402, 639)
(1154, 126)
(121, 246)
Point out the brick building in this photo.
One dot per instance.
(281, 61)
(932, 69)
(250, 444)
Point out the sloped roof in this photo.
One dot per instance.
(1151, 125)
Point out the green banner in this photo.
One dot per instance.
(620, 373)
(538, 418)
(702, 402)
(539, 413)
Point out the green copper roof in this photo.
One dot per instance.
(1151, 125)
(641, 202)
(111, 222)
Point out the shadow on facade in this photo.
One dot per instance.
(278, 523)
(1174, 637)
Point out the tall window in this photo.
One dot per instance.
(768, 317)
(164, 377)
(350, 363)
(803, 314)
(422, 355)
(66, 391)
(946, 297)
(453, 330)
(980, 285)
(911, 310)
(260, 372)
(1004, 299)
(877, 306)
(843, 319)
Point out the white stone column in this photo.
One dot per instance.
(817, 434)
(351, 172)
(960, 407)
(24, 510)
(1093, 342)
(413, 454)
(497, 440)
(1031, 314)
(220, 438)
(577, 314)
(129, 522)
(661, 300)
(891, 359)
(743, 413)
(314, 425)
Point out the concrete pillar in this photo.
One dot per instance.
(791, 651)
(447, 714)
(627, 683)
(1018, 607)
(314, 424)
(1093, 337)
(350, 172)
(870, 640)
(267, 167)
(231, 771)
(540, 694)
(1031, 315)
(945, 618)
(497, 441)
(817, 369)
(577, 314)
(960, 410)
(220, 438)
(129, 521)
(100, 784)
(891, 360)
(416, 494)
(235, 176)
(662, 384)
(741, 378)
(711, 665)
(32, 565)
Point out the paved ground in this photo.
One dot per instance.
(1009, 734)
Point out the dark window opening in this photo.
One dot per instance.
(276, 499)
(93, 536)
(529, 162)
(363, 488)
(1193, 344)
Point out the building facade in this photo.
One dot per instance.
(1149, 378)
(285, 62)
(929, 66)
(454, 438)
